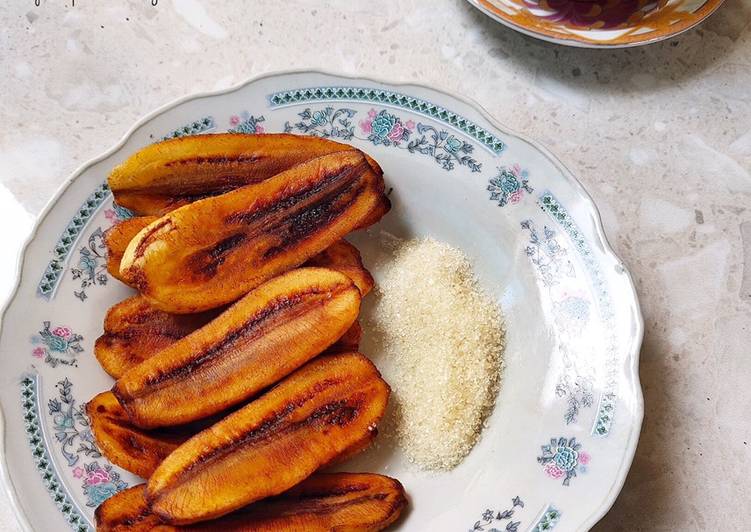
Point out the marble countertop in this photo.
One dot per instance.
(659, 135)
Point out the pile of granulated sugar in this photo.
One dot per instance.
(442, 343)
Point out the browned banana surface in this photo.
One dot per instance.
(134, 331)
(126, 511)
(344, 257)
(350, 341)
(273, 443)
(340, 256)
(125, 445)
(266, 335)
(117, 238)
(167, 175)
(322, 503)
(140, 451)
(215, 250)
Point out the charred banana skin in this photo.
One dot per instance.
(213, 251)
(265, 336)
(324, 502)
(273, 443)
(167, 175)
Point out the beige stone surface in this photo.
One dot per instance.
(659, 135)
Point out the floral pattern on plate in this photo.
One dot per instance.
(57, 345)
(563, 458)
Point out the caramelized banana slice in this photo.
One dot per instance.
(117, 238)
(126, 511)
(125, 445)
(175, 172)
(340, 256)
(322, 503)
(140, 451)
(213, 251)
(344, 257)
(273, 443)
(269, 333)
(134, 331)
(350, 341)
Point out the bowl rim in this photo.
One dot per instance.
(700, 15)
(637, 338)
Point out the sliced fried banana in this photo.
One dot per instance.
(167, 175)
(125, 445)
(344, 257)
(273, 443)
(117, 238)
(340, 256)
(324, 502)
(141, 451)
(126, 511)
(134, 331)
(213, 251)
(266, 335)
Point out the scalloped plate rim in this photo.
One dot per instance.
(633, 355)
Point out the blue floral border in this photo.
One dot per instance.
(42, 459)
(606, 405)
(53, 272)
(396, 99)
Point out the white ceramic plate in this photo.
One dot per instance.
(567, 420)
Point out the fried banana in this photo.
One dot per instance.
(344, 257)
(213, 251)
(117, 238)
(273, 443)
(140, 451)
(324, 502)
(169, 174)
(269, 333)
(126, 511)
(134, 331)
(125, 445)
(340, 256)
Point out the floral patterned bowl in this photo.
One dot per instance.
(599, 23)
(562, 436)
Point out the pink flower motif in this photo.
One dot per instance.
(410, 125)
(38, 352)
(516, 169)
(372, 113)
(553, 471)
(584, 458)
(62, 332)
(396, 132)
(365, 125)
(110, 214)
(100, 476)
(234, 120)
(259, 129)
(515, 196)
(78, 472)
